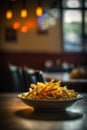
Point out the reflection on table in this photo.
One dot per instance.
(15, 115)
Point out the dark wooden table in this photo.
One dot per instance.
(15, 115)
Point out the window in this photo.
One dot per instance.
(74, 21)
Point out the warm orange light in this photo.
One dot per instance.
(31, 24)
(16, 25)
(24, 29)
(9, 14)
(39, 11)
(23, 13)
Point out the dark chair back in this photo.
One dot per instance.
(22, 77)
(39, 76)
(29, 77)
(16, 78)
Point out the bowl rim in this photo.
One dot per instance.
(79, 96)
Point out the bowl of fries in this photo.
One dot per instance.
(49, 96)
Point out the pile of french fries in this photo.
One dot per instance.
(49, 91)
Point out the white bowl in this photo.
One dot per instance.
(49, 105)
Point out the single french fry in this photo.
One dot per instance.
(51, 81)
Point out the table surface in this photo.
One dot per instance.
(65, 77)
(15, 115)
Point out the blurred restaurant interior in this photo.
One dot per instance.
(50, 42)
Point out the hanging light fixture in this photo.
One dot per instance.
(24, 10)
(39, 9)
(9, 12)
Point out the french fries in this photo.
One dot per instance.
(49, 91)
